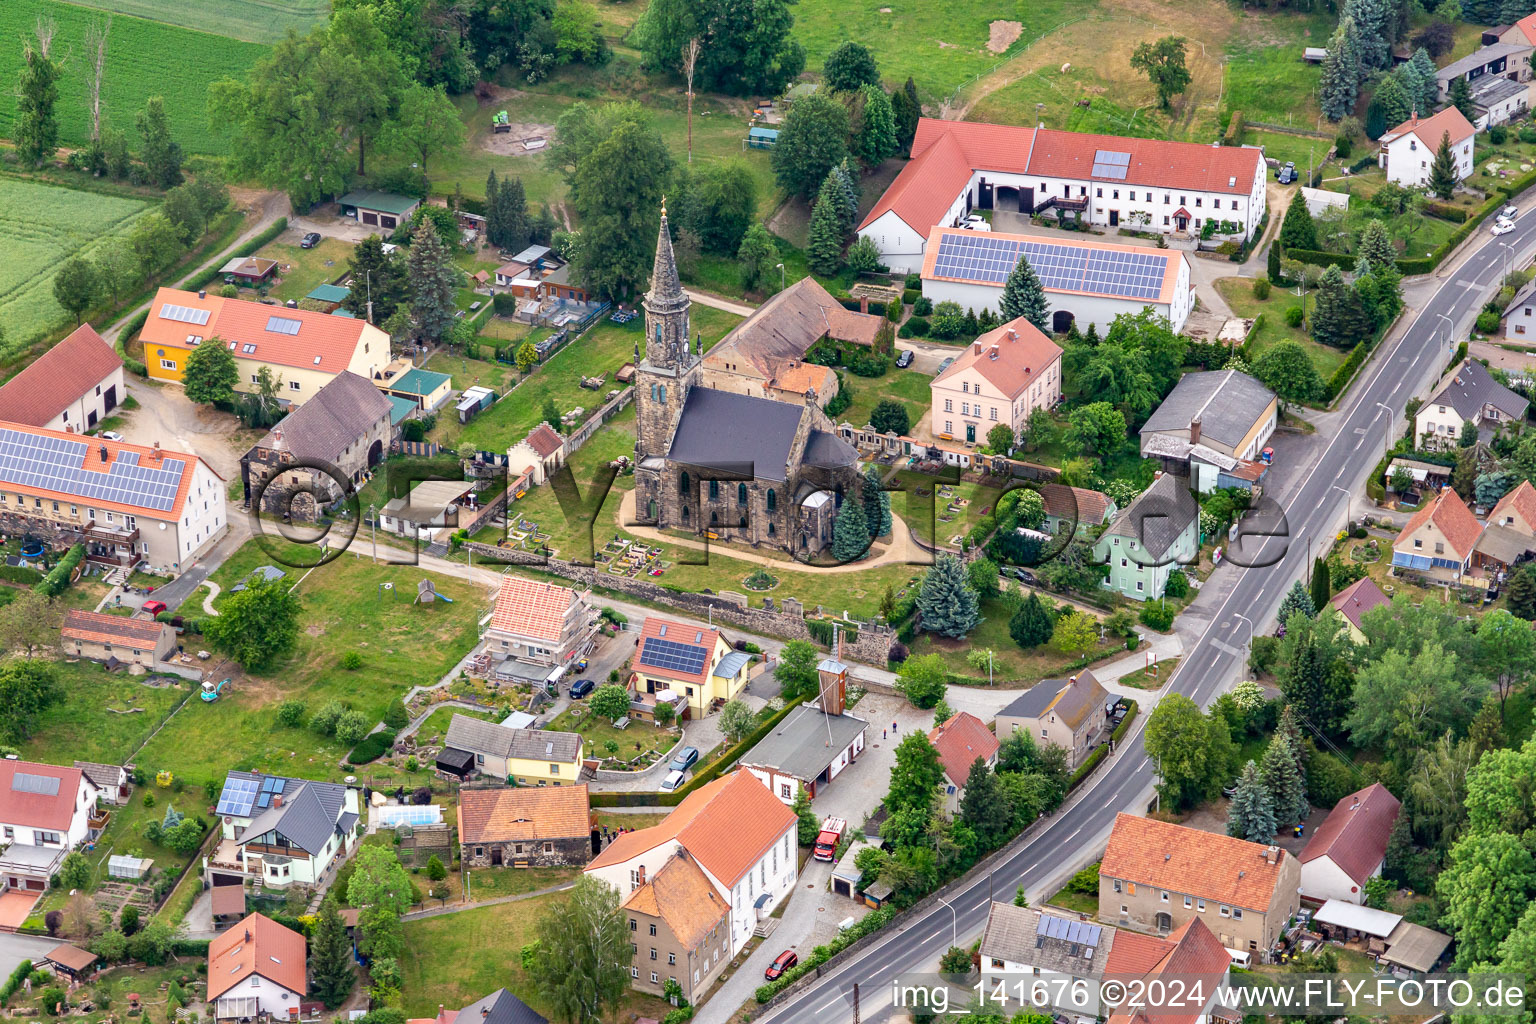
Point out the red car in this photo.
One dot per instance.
(154, 607)
(781, 963)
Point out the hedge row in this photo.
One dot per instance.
(372, 747)
(1445, 211)
(209, 274)
(1091, 762)
(20, 974)
(870, 924)
(1318, 258)
(1131, 707)
(1346, 371)
(1233, 136)
(58, 577)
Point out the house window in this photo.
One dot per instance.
(634, 972)
(479, 759)
(1116, 194)
(1165, 199)
(949, 405)
(1187, 902)
(1197, 200)
(1165, 220)
(1216, 203)
(1418, 543)
(1098, 193)
(741, 494)
(554, 769)
(1124, 909)
(293, 385)
(167, 364)
(773, 503)
(1200, 906)
(714, 490)
(994, 412)
(653, 957)
(784, 791)
(1224, 910)
(653, 975)
(1237, 913)
(671, 958)
(1165, 897)
(653, 929)
(965, 387)
(1117, 885)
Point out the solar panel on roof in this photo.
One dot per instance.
(673, 656)
(55, 464)
(42, 785)
(183, 314)
(1109, 164)
(283, 325)
(969, 256)
(238, 797)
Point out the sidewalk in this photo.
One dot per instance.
(418, 915)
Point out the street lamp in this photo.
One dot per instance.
(1349, 499)
(1240, 615)
(1386, 445)
(1509, 256)
(1451, 325)
(954, 922)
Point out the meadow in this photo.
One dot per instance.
(144, 59)
(40, 227)
(254, 21)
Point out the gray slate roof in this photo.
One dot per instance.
(1226, 402)
(500, 1007)
(721, 430)
(1015, 934)
(1157, 516)
(1477, 59)
(799, 747)
(472, 734)
(338, 415)
(828, 451)
(1471, 387)
(1032, 701)
(308, 816)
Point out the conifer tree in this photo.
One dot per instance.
(1272, 265)
(512, 205)
(1340, 318)
(1251, 815)
(1459, 95)
(1297, 600)
(824, 250)
(1429, 85)
(1283, 777)
(1030, 626)
(1320, 589)
(1298, 231)
(494, 232)
(36, 128)
(1376, 246)
(1442, 172)
(434, 282)
(1023, 295)
(848, 176)
(1340, 86)
(850, 532)
(946, 601)
(877, 504)
(330, 956)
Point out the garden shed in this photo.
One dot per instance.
(123, 866)
(458, 763)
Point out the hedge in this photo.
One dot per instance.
(821, 631)
(58, 577)
(372, 747)
(189, 947)
(209, 274)
(1131, 707)
(1096, 755)
(1233, 136)
(20, 974)
(1319, 258)
(1445, 211)
(870, 924)
(1346, 371)
(20, 574)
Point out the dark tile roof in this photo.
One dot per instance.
(465, 733)
(1226, 402)
(828, 451)
(722, 430)
(308, 816)
(1158, 515)
(339, 414)
(1060, 944)
(1471, 387)
(500, 1007)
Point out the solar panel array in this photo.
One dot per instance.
(1109, 164)
(271, 786)
(673, 656)
(239, 796)
(989, 259)
(183, 314)
(56, 464)
(42, 785)
(1070, 931)
(284, 325)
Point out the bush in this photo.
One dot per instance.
(1261, 288)
(372, 747)
(396, 716)
(1265, 652)
(1157, 616)
(917, 325)
(50, 998)
(505, 303)
(1089, 763)
(1294, 316)
(1458, 214)
(922, 306)
(910, 296)
(1488, 322)
(352, 726)
(57, 579)
(916, 280)
(1497, 135)
(1528, 136)
(1086, 881)
(20, 974)
(1178, 584)
(1342, 147)
(897, 654)
(290, 713)
(53, 920)
(1341, 377)
(352, 661)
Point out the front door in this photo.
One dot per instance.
(1114, 218)
(495, 856)
(984, 195)
(1183, 223)
(970, 433)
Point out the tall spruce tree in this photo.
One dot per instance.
(1429, 85)
(1376, 246)
(1023, 295)
(1297, 600)
(984, 806)
(824, 249)
(848, 200)
(1373, 20)
(1030, 626)
(1298, 231)
(1459, 95)
(1442, 172)
(877, 504)
(850, 532)
(1396, 106)
(1340, 319)
(1272, 264)
(1320, 589)
(512, 203)
(1251, 815)
(1281, 771)
(434, 282)
(1340, 86)
(946, 601)
(907, 110)
(330, 956)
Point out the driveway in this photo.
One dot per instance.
(14, 948)
(166, 415)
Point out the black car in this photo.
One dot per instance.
(1286, 174)
(581, 688)
(310, 240)
(905, 359)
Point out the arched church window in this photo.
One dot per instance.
(682, 484)
(773, 500)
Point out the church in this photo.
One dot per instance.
(731, 466)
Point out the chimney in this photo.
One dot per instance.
(1013, 335)
(103, 453)
(1271, 854)
(202, 293)
(992, 352)
(978, 348)
(247, 935)
(1194, 430)
(1157, 475)
(277, 799)
(485, 1011)
(864, 304)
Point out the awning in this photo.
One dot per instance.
(459, 762)
(1342, 914)
(1415, 947)
(70, 958)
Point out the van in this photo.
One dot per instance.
(1240, 958)
(846, 923)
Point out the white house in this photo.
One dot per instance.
(735, 830)
(539, 454)
(73, 386)
(1086, 283)
(1001, 377)
(1467, 394)
(281, 830)
(257, 968)
(45, 812)
(1350, 845)
(1408, 151)
(1106, 180)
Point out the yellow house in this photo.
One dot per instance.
(523, 757)
(692, 660)
(303, 350)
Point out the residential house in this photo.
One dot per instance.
(814, 743)
(45, 811)
(1350, 846)
(112, 780)
(1078, 509)
(299, 349)
(130, 641)
(1509, 536)
(523, 272)
(1519, 318)
(1196, 953)
(1000, 378)
(1407, 152)
(1354, 601)
(428, 389)
(695, 661)
(127, 503)
(1212, 427)
(537, 626)
(525, 827)
(1522, 31)
(1087, 283)
(384, 210)
(539, 454)
(764, 356)
(1508, 59)
(257, 969)
(1498, 100)
(1156, 534)
(1157, 876)
(1467, 394)
(1016, 172)
(679, 929)
(523, 757)
(283, 831)
(500, 1007)
(73, 386)
(737, 832)
(1438, 540)
(961, 741)
(339, 435)
(248, 271)
(1072, 713)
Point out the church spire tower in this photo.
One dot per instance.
(666, 310)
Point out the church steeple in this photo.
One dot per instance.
(666, 309)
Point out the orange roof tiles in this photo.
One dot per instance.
(927, 186)
(1448, 515)
(631, 844)
(1520, 502)
(1155, 162)
(95, 627)
(682, 633)
(544, 441)
(1527, 27)
(257, 945)
(52, 811)
(532, 608)
(960, 741)
(92, 461)
(1075, 503)
(59, 377)
(1355, 833)
(523, 813)
(1431, 130)
(332, 339)
(1191, 861)
(1134, 953)
(1023, 354)
(681, 895)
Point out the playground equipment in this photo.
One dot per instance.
(500, 122)
(211, 692)
(426, 593)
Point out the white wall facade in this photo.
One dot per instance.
(204, 517)
(901, 245)
(1407, 160)
(31, 835)
(1098, 310)
(267, 995)
(1007, 980)
(1322, 879)
(90, 408)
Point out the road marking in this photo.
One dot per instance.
(1226, 648)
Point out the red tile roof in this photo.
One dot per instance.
(52, 811)
(682, 896)
(1448, 515)
(1075, 503)
(938, 171)
(960, 741)
(1134, 953)
(1155, 162)
(96, 627)
(1022, 354)
(334, 339)
(543, 440)
(503, 814)
(59, 377)
(1431, 130)
(92, 461)
(257, 945)
(1355, 833)
(1527, 27)
(1520, 502)
(1358, 598)
(531, 608)
(682, 633)
(1189, 860)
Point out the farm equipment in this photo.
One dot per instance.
(500, 122)
(211, 692)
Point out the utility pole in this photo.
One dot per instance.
(690, 58)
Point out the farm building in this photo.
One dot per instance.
(250, 271)
(102, 637)
(378, 209)
(72, 386)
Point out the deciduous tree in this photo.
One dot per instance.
(381, 891)
(427, 123)
(581, 967)
(1163, 64)
(161, 154)
(76, 286)
(813, 140)
(758, 258)
(36, 128)
(890, 416)
(1098, 426)
(849, 67)
(876, 137)
(257, 626)
(1487, 883)
(1193, 753)
(210, 373)
(750, 50)
(796, 669)
(923, 680)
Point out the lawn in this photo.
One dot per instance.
(255, 21)
(402, 644)
(42, 226)
(1080, 902)
(144, 59)
(469, 372)
(636, 740)
(103, 717)
(924, 519)
(1238, 293)
(1303, 150)
(1147, 678)
(909, 387)
(1015, 667)
(435, 727)
(302, 269)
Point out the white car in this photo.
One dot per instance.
(1502, 227)
(974, 223)
(672, 781)
(111, 435)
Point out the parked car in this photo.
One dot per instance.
(111, 435)
(1287, 173)
(781, 963)
(945, 364)
(310, 240)
(154, 607)
(1509, 212)
(1502, 227)
(582, 688)
(672, 781)
(685, 759)
(905, 359)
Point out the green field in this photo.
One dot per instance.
(909, 387)
(40, 227)
(103, 717)
(144, 59)
(306, 268)
(1238, 293)
(255, 21)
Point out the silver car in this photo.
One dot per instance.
(672, 781)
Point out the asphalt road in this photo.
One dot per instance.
(1313, 499)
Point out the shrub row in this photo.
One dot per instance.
(871, 923)
(372, 747)
(20, 974)
(1369, 160)
(1346, 371)
(1233, 136)
(1318, 258)
(1091, 762)
(1445, 211)
(58, 577)
(1131, 708)
(876, 307)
